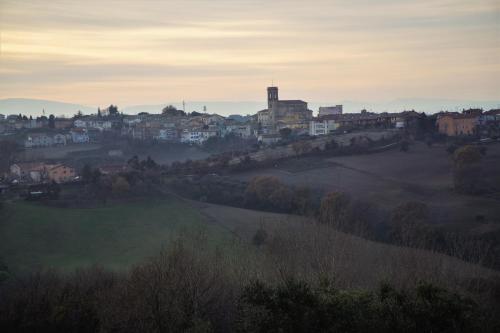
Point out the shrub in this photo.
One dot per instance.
(260, 237)
(467, 169)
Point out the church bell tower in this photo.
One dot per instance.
(272, 95)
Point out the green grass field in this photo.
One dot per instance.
(116, 236)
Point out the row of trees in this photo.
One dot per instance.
(261, 193)
(139, 180)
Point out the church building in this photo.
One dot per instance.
(287, 113)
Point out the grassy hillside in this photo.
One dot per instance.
(297, 246)
(118, 236)
(32, 235)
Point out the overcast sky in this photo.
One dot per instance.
(145, 52)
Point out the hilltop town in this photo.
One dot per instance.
(282, 122)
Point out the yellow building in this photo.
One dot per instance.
(453, 124)
(60, 173)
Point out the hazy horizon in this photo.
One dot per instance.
(149, 52)
(35, 107)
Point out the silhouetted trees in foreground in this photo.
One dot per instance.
(295, 306)
(180, 291)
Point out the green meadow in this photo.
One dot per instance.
(115, 236)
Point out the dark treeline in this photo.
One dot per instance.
(262, 193)
(181, 291)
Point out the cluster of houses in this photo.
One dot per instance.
(196, 128)
(37, 172)
(468, 122)
(330, 122)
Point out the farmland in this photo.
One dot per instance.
(390, 178)
(97, 154)
(120, 235)
(114, 236)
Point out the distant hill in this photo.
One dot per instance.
(427, 105)
(35, 107)
(222, 108)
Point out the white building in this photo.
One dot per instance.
(241, 130)
(60, 139)
(28, 171)
(197, 136)
(38, 140)
(318, 127)
(101, 125)
(167, 134)
(322, 126)
(79, 135)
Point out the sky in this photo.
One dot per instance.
(146, 52)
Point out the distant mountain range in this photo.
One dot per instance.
(35, 107)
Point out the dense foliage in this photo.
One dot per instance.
(181, 292)
(295, 306)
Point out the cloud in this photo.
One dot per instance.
(226, 49)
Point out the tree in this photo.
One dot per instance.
(260, 237)
(113, 110)
(134, 163)
(86, 173)
(409, 225)
(96, 176)
(467, 169)
(172, 111)
(8, 150)
(120, 185)
(334, 210)
(149, 163)
(467, 155)
(266, 192)
(302, 201)
(52, 121)
(54, 189)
